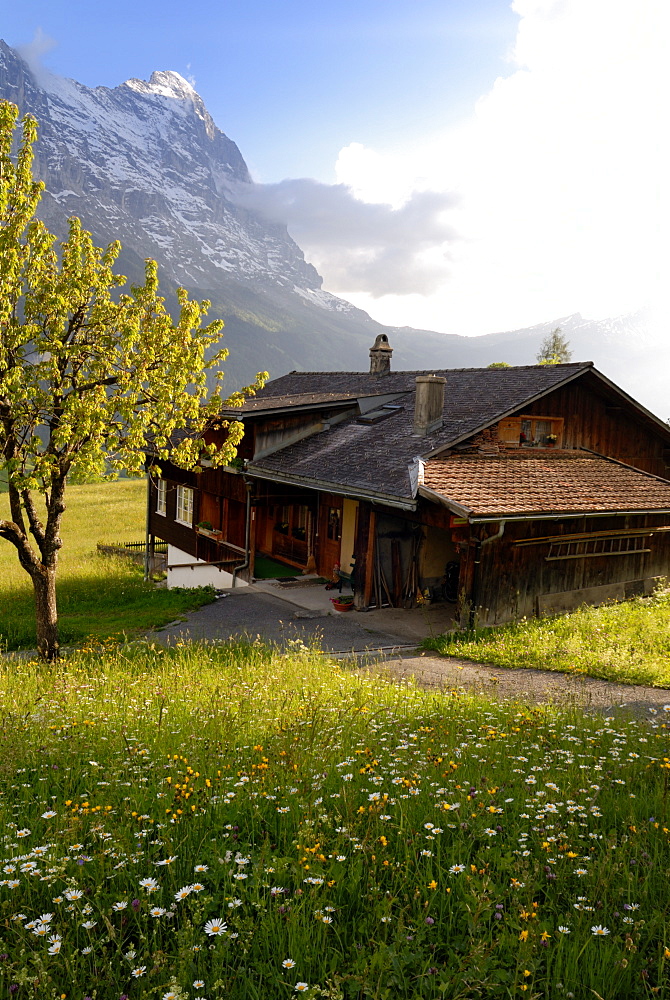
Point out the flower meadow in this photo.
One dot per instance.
(627, 641)
(224, 821)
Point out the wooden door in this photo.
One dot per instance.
(330, 535)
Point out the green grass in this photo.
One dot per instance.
(628, 642)
(98, 596)
(362, 838)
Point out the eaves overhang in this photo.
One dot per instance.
(325, 486)
(364, 401)
(436, 497)
(242, 415)
(538, 515)
(560, 515)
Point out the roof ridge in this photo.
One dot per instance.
(419, 371)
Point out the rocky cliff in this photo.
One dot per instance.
(145, 163)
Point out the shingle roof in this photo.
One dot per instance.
(525, 482)
(262, 402)
(376, 458)
(525, 379)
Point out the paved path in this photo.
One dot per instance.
(386, 642)
(250, 613)
(532, 686)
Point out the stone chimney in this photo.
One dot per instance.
(429, 404)
(380, 355)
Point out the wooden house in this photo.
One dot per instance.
(540, 487)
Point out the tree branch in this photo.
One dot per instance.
(36, 526)
(13, 533)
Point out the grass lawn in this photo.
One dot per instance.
(225, 822)
(628, 643)
(98, 596)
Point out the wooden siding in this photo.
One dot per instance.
(271, 434)
(219, 496)
(516, 580)
(597, 420)
(165, 527)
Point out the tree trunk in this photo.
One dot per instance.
(46, 616)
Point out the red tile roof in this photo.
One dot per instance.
(551, 482)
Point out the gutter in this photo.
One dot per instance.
(558, 516)
(479, 545)
(247, 535)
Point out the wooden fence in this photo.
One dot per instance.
(136, 552)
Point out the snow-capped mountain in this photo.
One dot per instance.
(145, 163)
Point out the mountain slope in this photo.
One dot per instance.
(145, 163)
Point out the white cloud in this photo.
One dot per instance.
(374, 248)
(34, 52)
(562, 175)
(190, 77)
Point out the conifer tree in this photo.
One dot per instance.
(554, 349)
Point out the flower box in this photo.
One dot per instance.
(213, 533)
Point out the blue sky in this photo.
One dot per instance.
(458, 165)
(291, 82)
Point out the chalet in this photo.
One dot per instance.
(540, 487)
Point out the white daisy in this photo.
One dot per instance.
(215, 928)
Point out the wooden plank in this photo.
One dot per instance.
(557, 604)
(396, 569)
(596, 555)
(579, 536)
(364, 551)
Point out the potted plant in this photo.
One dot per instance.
(343, 603)
(551, 440)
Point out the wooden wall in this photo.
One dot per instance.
(517, 580)
(600, 421)
(219, 497)
(165, 527)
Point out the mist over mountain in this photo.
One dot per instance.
(145, 163)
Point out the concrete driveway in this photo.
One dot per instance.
(286, 611)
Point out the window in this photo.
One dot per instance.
(161, 499)
(281, 523)
(531, 432)
(184, 505)
(299, 527)
(334, 527)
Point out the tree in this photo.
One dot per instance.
(499, 364)
(554, 349)
(88, 374)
